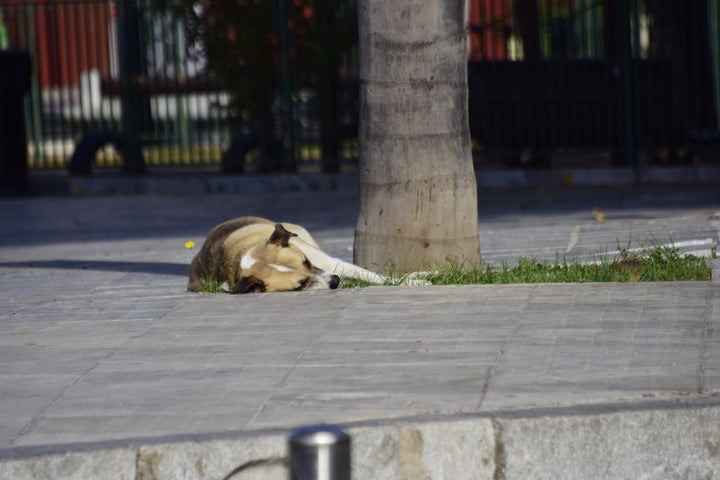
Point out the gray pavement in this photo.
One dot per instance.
(109, 369)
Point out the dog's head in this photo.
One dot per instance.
(279, 266)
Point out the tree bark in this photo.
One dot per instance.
(418, 198)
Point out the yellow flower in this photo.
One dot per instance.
(599, 216)
(189, 245)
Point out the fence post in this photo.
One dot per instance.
(628, 84)
(287, 121)
(714, 37)
(14, 85)
(319, 452)
(128, 52)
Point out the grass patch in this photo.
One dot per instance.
(210, 285)
(355, 283)
(659, 264)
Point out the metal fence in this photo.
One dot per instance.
(630, 78)
(177, 112)
(638, 79)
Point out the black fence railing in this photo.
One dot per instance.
(631, 78)
(111, 73)
(638, 79)
(545, 106)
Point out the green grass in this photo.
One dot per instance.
(658, 264)
(210, 285)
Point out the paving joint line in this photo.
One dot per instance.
(490, 372)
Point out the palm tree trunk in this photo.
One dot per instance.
(418, 198)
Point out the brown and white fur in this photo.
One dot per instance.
(253, 254)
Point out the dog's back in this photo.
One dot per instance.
(211, 260)
(253, 254)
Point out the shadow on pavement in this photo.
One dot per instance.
(157, 268)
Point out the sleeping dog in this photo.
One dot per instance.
(252, 254)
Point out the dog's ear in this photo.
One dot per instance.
(280, 236)
(249, 285)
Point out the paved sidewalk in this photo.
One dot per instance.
(104, 355)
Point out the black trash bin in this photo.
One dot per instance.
(14, 84)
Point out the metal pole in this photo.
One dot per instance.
(627, 76)
(319, 452)
(713, 33)
(34, 109)
(128, 52)
(286, 104)
(182, 124)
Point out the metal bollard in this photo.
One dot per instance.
(319, 452)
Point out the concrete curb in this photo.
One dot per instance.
(211, 184)
(202, 183)
(584, 177)
(589, 442)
